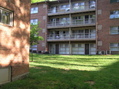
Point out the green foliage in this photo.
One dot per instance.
(34, 1)
(34, 32)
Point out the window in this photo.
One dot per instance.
(79, 6)
(64, 49)
(114, 30)
(114, 46)
(113, 1)
(33, 48)
(78, 20)
(34, 21)
(65, 7)
(53, 9)
(92, 18)
(64, 21)
(92, 45)
(54, 21)
(34, 10)
(6, 16)
(92, 3)
(114, 14)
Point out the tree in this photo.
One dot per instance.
(34, 35)
(34, 1)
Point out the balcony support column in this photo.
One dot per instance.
(70, 10)
(70, 17)
(84, 19)
(70, 5)
(87, 5)
(70, 47)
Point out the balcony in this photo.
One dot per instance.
(74, 23)
(58, 11)
(73, 37)
(80, 22)
(58, 24)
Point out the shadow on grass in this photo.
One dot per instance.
(48, 77)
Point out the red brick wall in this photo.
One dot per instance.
(103, 19)
(42, 11)
(14, 41)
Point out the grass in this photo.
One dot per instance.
(70, 72)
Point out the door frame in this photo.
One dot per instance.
(56, 50)
(88, 49)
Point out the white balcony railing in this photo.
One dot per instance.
(77, 36)
(59, 23)
(82, 22)
(70, 10)
(73, 23)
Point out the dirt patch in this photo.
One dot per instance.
(67, 69)
(90, 82)
(37, 67)
(43, 71)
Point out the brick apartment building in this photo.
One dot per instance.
(14, 39)
(77, 26)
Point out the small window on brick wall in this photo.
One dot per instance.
(114, 30)
(113, 1)
(34, 10)
(6, 16)
(34, 21)
(114, 14)
(114, 46)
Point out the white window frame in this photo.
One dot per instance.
(114, 14)
(34, 10)
(64, 49)
(114, 46)
(34, 21)
(114, 31)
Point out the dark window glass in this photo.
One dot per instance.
(6, 16)
(114, 14)
(113, 1)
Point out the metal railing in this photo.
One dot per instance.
(83, 36)
(73, 23)
(59, 23)
(70, 10)
(72, 37)
(57, 36)
(83, 22)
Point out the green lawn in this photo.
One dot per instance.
(70, 72)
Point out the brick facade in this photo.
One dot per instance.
(102, 24)
(42, 18)
(103, 19)
(14, 40)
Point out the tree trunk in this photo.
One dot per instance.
(31, 52)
